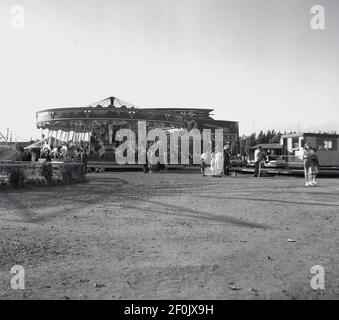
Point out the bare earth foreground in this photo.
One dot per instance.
(177, 235)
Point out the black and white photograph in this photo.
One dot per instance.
(169, 150)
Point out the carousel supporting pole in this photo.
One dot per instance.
(83, 131)
(110, 133)
(53, 136)
(57, 138)
(75, 136)
(50, 137)
(63, 136)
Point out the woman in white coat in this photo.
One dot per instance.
(213, 166)
(219, 164)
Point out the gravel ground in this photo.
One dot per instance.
(177, 235)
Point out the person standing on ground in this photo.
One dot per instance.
(259, 155)
(213, 164)
(84, 159)
(308, 165)
(219, 164)
(227, 160)
(146, 165)
(315, 161)
(203, 163)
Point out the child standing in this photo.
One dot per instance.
(203, 163)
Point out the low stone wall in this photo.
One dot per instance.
(19, 174)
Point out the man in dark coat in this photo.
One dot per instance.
(259, 156)
(227, 160)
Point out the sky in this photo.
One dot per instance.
(258, 62)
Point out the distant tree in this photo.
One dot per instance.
(246, 142)
(234, 148)
(260, 137)
(250, 142)
(276, 137)
(271, 135)
(242, 145)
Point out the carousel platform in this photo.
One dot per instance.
(113, 165)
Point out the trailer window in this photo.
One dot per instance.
(326, 144)
(295, 143)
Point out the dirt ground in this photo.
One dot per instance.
(176, 235)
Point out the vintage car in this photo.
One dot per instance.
(274, 162)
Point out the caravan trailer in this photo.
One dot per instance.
(325, 144)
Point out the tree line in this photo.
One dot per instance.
(246, 142)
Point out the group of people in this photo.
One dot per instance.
(310, 161)
(77, 152)
(220, 162)
(311, 165)
(152, 166)
(72, 152)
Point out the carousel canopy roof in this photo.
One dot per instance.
(41, 143)
(113, 102)
(114, 109)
